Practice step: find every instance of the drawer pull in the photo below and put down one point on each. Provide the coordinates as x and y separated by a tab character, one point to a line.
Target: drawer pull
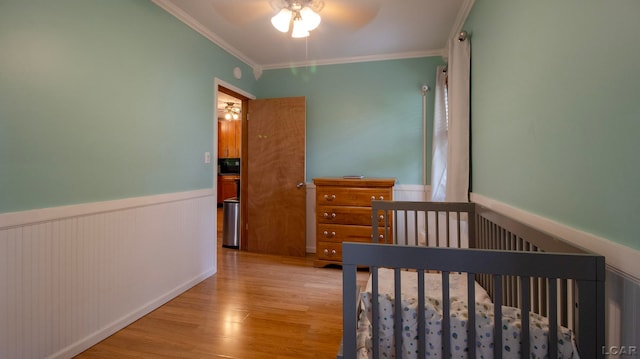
381	218
329	198
327	235
327	215
380	198
329	254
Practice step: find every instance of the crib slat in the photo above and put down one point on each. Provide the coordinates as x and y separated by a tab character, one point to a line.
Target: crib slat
395	230
437	228
406	227
448	239
349	300
374	226
422	332
564	306
387	225
459	232
544	303
524	314
446	316
427	225
553	318
471	314
397	312
375	312
497	319
417	221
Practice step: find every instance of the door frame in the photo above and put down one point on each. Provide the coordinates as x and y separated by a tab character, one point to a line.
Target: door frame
223	86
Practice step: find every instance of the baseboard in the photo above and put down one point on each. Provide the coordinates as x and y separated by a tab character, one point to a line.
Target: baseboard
98	336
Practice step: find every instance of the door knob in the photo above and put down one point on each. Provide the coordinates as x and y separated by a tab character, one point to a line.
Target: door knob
299	185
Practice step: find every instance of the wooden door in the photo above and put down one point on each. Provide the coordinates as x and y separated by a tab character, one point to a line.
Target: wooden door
276	193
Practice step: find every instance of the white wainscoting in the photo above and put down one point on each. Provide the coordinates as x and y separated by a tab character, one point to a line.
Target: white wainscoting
71	276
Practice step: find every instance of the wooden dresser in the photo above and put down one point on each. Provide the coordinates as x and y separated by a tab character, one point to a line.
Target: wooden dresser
343	213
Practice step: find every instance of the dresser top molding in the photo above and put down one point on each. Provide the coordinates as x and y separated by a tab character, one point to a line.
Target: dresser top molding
354	182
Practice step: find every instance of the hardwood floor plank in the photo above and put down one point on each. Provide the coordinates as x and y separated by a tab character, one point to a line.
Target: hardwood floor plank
257	306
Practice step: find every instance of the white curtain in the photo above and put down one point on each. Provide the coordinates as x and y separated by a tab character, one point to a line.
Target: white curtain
457	188
450	174
439	160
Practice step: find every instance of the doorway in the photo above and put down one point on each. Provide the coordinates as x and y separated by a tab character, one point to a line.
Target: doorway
231	171
272	187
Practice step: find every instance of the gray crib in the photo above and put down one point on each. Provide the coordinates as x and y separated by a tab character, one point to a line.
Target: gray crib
518	266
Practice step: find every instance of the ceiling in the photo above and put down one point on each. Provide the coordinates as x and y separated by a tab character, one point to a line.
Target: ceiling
350	31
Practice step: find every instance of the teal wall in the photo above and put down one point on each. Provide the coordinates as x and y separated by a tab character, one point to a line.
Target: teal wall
363	118
556	110
102	100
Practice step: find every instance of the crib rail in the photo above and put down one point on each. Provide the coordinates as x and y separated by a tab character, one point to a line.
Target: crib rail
440	223
468	225
586	271
495	231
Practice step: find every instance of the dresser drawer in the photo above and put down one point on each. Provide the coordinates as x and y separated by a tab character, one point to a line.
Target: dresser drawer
345	233
344	215
329	251
340	196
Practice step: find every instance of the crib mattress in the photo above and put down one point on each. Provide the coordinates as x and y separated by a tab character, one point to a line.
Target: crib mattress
511	322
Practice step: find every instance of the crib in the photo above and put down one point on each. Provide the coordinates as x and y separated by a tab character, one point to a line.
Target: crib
491	267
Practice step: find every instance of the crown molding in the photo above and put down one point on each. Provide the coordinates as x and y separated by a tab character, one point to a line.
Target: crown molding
258	69
463	13
461	18
348	60
202	30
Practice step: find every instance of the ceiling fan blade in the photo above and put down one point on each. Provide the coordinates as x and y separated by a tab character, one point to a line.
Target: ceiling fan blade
242	12
350	14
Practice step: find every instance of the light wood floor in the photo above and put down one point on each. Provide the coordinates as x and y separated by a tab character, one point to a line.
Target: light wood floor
256	306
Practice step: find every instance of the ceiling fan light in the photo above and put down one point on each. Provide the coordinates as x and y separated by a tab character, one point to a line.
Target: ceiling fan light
310	18
227	116
281	20
299	29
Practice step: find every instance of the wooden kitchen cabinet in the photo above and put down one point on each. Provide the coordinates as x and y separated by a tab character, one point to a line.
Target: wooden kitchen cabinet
343	213
227	187
229	138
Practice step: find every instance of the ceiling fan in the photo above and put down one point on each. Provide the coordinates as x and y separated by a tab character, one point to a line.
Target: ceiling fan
346	15
231	111
303	14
